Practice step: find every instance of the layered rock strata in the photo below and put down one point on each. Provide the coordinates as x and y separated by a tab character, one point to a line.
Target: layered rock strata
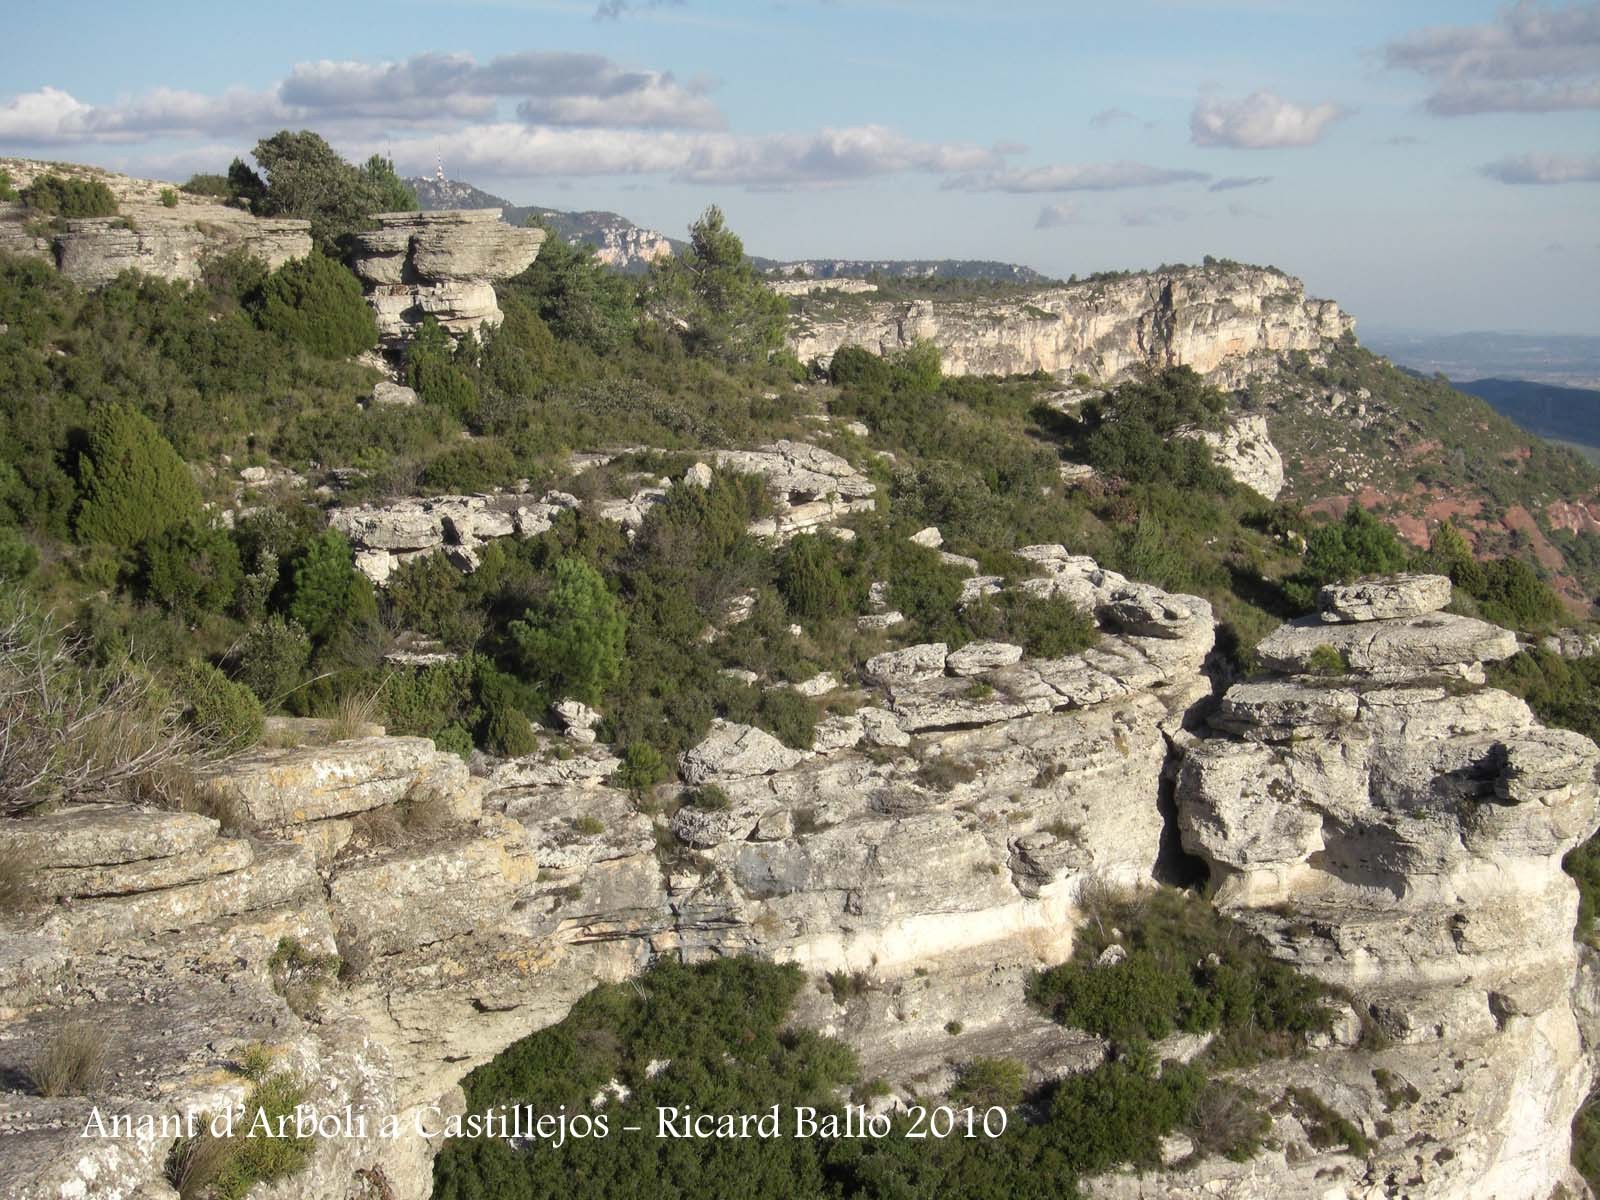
168	242
1396	836
442	265
1402	840
1224	322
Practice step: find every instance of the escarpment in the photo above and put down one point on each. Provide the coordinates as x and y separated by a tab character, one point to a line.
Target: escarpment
170	240
1223	321
1392	827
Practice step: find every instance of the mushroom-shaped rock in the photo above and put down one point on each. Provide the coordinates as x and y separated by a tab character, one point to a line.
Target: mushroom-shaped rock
1383	599
731	751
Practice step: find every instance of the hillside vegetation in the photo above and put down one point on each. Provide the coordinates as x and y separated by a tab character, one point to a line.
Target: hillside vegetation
129	412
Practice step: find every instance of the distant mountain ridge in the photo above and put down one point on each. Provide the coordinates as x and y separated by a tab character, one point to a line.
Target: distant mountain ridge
974	270
629	247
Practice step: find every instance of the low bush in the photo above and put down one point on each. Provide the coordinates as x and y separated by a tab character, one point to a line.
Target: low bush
1184	967
226	715
317	303
70	197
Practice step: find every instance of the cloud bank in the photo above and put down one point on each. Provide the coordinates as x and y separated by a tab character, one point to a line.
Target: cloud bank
1261	121
1530	59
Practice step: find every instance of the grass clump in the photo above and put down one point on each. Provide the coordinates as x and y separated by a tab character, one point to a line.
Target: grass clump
1328	661
71	1063
211	1167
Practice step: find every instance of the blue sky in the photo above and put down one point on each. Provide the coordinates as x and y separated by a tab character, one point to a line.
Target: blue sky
1430	165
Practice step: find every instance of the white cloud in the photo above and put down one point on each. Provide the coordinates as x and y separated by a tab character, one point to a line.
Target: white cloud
1261	121
829	156
1053	216
1108	117
611	10
1546	168
1075	177
371	99
1530	58
1234	182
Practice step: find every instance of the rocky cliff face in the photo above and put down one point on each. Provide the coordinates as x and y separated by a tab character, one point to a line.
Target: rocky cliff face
1225	322
148	236
440	264
1396	830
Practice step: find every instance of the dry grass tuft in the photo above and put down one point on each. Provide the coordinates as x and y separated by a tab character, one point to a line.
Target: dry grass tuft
352	714
71	1063
71	728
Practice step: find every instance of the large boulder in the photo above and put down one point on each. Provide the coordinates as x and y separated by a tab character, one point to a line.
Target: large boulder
278	788
732	751
1399	648
1384	599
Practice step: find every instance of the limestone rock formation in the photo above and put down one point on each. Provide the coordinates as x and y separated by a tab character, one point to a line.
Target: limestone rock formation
811	488
1222	321
1405	842
1383	599
1401	648
169	243
440	264
1245	450
1392	835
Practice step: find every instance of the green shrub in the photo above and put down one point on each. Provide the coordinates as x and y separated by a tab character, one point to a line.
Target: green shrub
427	701
1344	550
70	197
273	657
326	590
789	717
18	558
508	733
1045	627
476	466
191	569
7	192
226	714
315	302
454	739
923	588
573	639
986	1082
1327	660
446	386
709	797
208	185
133	483
813	582
1185	967
169	198
642	766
